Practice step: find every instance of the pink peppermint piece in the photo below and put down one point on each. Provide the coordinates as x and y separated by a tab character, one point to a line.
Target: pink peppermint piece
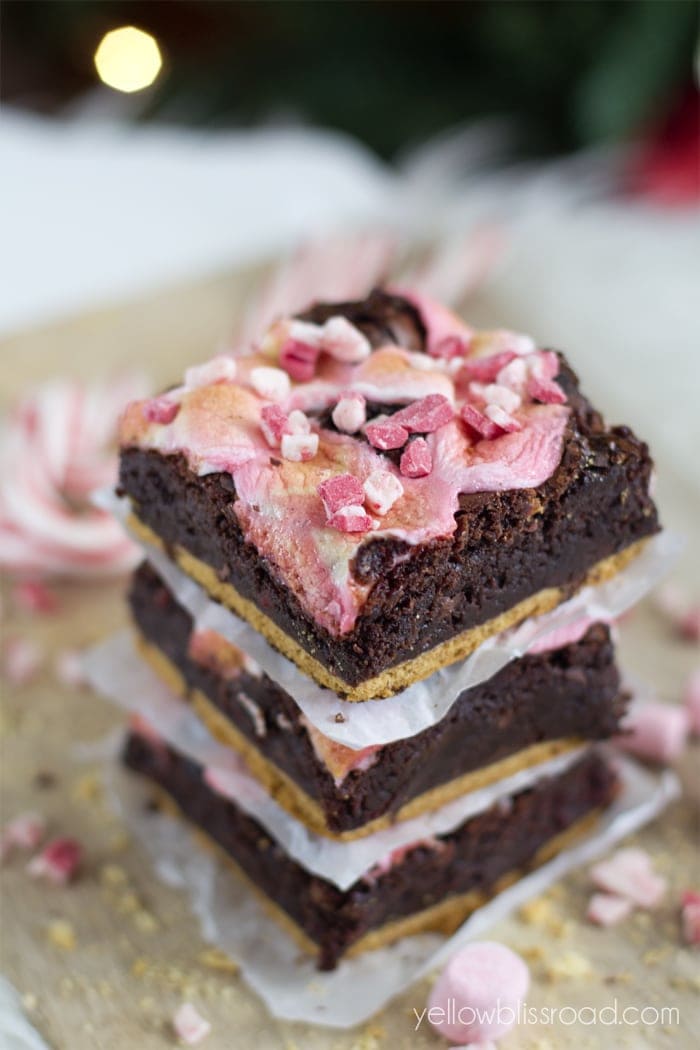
546	391
69	668
691	700
343	341
426	415
689	624
690	916
448	347
298	448
273	423
508	424
654	731
22	659
189	1025
386	435
23	832
485	369
221	369
382	489
350	413
480	424
160	409
351	519
342	490
32	596
628	873
496	394
58	862
298	422
416	461
514	375
270	383
607	909
299	359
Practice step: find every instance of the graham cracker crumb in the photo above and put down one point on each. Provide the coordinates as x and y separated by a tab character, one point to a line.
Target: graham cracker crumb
145	922
112	875
569	966
61	934
216	959
88	788
536	912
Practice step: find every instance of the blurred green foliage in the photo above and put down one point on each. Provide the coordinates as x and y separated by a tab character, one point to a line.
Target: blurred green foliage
571	72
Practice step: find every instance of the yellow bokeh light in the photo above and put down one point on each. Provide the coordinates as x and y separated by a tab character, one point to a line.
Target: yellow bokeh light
128	59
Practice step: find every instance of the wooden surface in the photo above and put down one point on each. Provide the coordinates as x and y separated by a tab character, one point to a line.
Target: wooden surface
137	951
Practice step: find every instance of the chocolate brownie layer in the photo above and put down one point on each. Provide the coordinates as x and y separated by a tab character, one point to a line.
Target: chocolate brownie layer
508	547
434	884
560	697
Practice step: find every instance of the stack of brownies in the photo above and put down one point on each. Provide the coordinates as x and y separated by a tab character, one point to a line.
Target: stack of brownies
377	489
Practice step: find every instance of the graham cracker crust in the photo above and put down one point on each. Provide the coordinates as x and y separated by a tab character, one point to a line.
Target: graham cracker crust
402	675
297	802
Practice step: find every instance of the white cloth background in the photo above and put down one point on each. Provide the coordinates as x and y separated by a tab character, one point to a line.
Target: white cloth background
92	213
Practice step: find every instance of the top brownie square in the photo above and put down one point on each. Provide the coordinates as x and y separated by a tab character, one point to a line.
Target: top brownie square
377	487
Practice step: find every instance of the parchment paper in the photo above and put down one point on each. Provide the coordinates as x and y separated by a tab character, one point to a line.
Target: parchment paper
425	703
115	669
272	965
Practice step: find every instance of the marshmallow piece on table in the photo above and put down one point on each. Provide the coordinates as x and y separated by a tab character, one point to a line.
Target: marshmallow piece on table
476	997
654	730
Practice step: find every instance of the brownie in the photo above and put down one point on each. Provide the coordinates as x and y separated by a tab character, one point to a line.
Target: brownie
506	546
469	860
573	692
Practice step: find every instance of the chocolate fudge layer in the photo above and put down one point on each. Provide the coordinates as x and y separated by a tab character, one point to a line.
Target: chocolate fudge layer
532	709
481	523
433	885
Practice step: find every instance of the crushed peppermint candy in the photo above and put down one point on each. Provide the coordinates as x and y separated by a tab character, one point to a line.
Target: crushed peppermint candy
508	424
58	862
416	461
33	596
22	660
298	422
485	369
690	916
382	489
160	409
425	415
352	518
607	909
448	347
343	341
24	831
350	413
385	434
628	873
270	383
273	423
69	668
298	359
479	424
654	730
691	701
495	394
546	391
189	1025
221	369
342	490
299	448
